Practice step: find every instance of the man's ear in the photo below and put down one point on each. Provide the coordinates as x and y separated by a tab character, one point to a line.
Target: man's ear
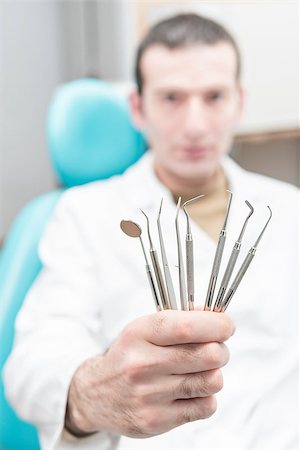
242	94
136	109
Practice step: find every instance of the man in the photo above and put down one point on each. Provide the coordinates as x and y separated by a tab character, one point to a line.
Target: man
98	369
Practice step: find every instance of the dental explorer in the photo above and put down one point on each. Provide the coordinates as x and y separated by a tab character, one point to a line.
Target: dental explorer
217	260
243	268
157	270
232	261
182	285
189	248
168	278
132	229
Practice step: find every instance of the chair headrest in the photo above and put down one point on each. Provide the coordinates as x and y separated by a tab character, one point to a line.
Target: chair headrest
90	134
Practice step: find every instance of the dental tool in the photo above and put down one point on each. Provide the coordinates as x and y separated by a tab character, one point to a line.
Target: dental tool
217	260
243	268
168	278
157	270
232	261
182	284
189	247
132	229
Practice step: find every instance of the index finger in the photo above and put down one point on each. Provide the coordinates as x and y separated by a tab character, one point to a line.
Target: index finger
186	327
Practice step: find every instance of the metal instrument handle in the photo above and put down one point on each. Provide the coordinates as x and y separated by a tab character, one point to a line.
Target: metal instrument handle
226	277
215	271
153	288
170	287
160	280
238	278
190	272
219	253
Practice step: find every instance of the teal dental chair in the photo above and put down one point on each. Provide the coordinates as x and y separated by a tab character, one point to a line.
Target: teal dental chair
90	137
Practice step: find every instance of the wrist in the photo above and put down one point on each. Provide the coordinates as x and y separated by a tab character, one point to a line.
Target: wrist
78	409
71	425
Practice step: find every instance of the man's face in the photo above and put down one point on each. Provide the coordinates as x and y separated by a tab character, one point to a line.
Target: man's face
189	107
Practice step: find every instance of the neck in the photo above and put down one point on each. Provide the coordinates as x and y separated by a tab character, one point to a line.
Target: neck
211	186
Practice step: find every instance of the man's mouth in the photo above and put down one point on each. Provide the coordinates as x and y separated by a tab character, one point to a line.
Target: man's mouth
195	151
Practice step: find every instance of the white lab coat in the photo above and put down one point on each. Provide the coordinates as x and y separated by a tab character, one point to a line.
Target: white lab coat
94	283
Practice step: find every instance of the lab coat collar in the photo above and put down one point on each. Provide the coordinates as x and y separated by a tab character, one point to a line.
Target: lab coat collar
150	197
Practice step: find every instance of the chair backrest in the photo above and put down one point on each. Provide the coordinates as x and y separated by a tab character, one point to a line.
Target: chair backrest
90	136
90	133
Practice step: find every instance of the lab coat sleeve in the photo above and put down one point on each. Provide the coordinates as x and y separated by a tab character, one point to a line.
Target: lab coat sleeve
58	327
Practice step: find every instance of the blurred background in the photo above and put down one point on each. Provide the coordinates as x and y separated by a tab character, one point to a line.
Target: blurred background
44	44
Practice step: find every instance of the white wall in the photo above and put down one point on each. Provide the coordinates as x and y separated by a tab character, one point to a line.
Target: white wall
29	71
41	46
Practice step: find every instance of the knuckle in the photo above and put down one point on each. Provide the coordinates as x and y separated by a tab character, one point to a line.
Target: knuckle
135	369
217	381
188	416
209	407
128	335
149	421
186	387
214	354
200	385
186	352
182	331
228	327
217	355
131	373
202	408
144	395
212	382
159	323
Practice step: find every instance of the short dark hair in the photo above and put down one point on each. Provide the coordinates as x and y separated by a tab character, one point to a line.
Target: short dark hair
183	30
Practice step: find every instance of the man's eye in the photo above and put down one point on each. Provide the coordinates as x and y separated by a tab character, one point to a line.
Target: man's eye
215	96
171	98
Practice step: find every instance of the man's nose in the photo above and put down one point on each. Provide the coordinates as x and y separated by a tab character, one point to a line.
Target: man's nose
196	120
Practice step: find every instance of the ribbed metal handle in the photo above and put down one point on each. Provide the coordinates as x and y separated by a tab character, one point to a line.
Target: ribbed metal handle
242	270
160	280
219	253
226	277
170	287
190	266
238	278
153	288
190	272
215	271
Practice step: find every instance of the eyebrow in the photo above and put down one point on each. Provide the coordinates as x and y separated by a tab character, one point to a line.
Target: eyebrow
178	89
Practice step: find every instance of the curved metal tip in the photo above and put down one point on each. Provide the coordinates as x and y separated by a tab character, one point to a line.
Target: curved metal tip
263	230
192	200
187	216
250	206
270	212
178	207
144	214
228	208
246	220
148	229
159	212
